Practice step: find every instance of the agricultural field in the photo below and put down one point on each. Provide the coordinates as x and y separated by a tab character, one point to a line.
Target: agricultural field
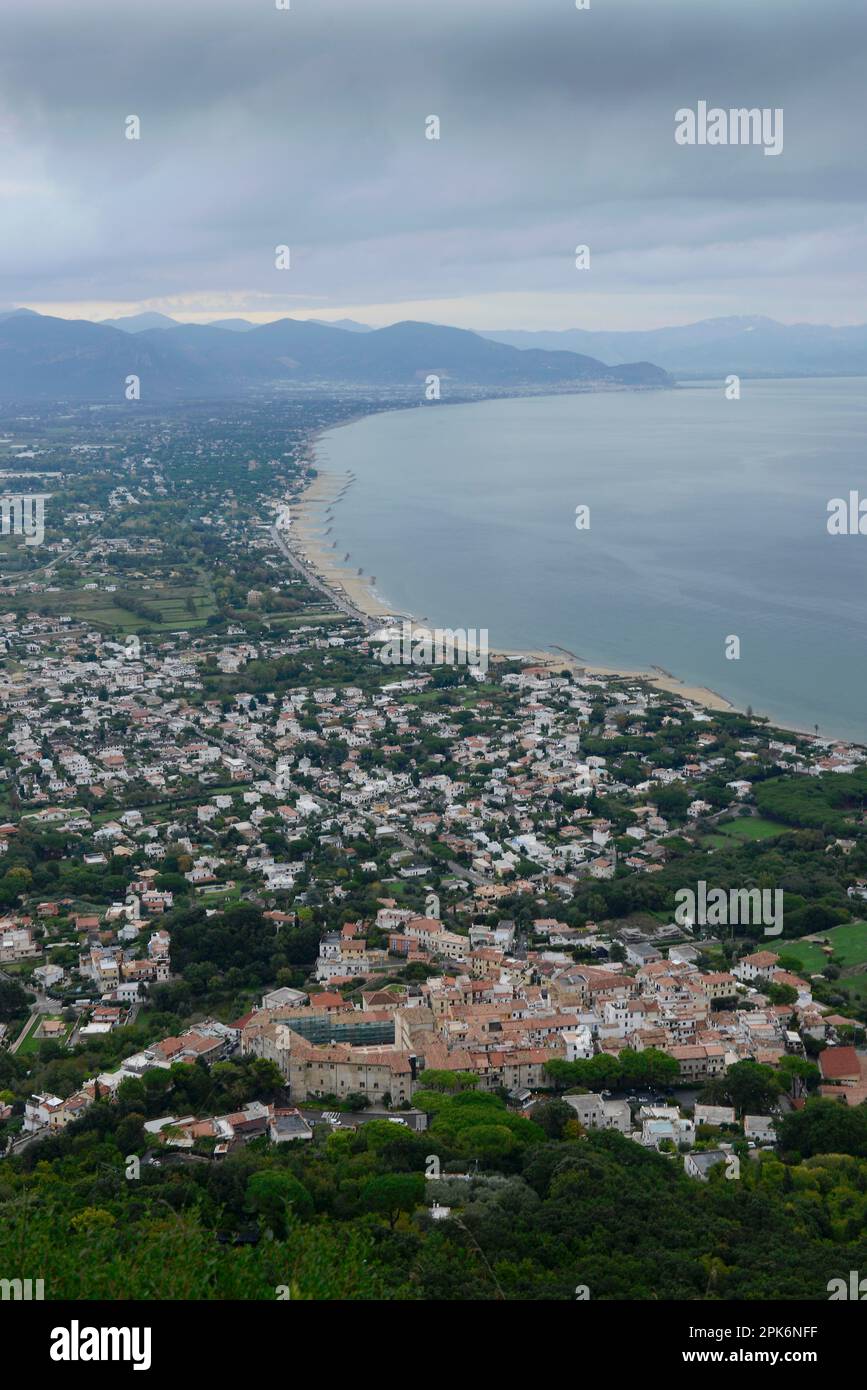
165	606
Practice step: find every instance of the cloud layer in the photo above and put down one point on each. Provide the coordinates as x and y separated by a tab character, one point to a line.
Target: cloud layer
262	126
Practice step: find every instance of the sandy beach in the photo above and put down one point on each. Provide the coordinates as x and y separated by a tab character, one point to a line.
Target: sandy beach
309	536
699	694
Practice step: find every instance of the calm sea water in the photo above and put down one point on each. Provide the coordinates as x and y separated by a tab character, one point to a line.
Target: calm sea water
708	518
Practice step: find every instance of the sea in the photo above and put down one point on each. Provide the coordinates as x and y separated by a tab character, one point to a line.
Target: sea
707	520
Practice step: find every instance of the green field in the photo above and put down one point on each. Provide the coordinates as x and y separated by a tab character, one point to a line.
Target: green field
855	986
850	948
170	605
30	1044
751	828
213	897
309	618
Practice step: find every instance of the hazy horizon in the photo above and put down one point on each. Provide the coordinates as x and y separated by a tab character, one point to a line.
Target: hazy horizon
255	320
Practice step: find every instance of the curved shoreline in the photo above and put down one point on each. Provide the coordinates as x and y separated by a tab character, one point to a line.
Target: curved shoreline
356	589
306	537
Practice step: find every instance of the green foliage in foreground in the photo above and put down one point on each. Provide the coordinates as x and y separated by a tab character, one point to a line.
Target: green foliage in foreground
346	1215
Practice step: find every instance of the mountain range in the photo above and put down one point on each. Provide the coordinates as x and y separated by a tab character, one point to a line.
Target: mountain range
47	358
139	323
749	346
746	346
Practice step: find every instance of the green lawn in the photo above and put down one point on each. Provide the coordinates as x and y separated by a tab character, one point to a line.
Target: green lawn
396	887
812	958
855	987
309	618
222	896
751	828
850	943
30	1043
850	948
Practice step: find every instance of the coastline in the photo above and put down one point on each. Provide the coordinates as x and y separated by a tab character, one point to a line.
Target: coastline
308	537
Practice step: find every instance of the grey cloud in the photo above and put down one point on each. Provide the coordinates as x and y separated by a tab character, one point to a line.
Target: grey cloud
260	126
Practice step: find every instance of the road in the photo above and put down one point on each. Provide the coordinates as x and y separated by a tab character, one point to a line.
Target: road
23	1141
409	843
43	1005
340	601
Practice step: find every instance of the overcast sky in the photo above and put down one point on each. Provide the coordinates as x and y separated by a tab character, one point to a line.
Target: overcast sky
306	127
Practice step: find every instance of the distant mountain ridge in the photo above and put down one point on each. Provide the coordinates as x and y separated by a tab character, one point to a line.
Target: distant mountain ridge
45	358
140	323
747	346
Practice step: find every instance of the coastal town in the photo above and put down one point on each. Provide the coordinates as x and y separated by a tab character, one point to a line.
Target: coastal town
257	886
433	755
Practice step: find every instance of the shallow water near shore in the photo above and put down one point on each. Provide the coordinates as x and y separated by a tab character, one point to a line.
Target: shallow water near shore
708	520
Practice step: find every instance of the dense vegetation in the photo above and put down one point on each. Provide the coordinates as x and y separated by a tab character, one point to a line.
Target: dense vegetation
539	1216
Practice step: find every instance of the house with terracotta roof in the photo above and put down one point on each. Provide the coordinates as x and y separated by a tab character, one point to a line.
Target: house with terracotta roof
761	966
840	1065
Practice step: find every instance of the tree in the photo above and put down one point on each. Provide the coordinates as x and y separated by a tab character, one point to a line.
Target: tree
273	1194
15	882
131	1094
553	1116
781	994
92	1219
391	1193
130	1133
824	1127
448	1080
797	1074
14	1001
750	1087
267	1078
648	1068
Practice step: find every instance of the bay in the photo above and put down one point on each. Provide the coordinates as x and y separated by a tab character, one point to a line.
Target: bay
708	519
